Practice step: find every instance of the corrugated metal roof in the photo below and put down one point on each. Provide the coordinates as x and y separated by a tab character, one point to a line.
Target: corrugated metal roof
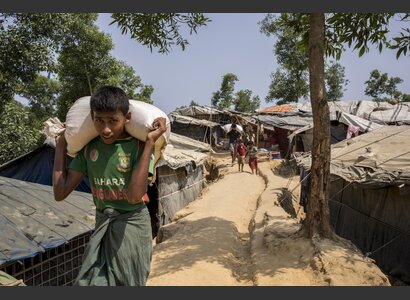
31	221
278	108
289	122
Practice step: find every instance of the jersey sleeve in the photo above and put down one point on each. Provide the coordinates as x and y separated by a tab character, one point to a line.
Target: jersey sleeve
137	157
79	163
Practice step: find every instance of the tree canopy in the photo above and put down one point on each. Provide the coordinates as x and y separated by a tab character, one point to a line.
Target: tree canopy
85	63
244	102
223	98
17	133
379	85
335	81
290	82
160	30
29	45
54	59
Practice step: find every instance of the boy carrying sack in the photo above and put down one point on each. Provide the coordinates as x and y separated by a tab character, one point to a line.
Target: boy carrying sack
118	166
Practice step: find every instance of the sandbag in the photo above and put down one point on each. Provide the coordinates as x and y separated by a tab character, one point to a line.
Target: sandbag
80	129
227	127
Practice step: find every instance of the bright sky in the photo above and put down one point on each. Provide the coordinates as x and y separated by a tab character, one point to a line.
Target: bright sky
232	43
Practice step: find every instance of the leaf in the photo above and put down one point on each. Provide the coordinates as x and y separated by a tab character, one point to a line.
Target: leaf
399	52
362	51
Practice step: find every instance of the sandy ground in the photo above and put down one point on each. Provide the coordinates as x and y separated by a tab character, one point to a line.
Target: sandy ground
238	234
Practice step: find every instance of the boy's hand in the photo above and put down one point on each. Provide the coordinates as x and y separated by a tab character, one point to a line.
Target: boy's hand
160	125
60	139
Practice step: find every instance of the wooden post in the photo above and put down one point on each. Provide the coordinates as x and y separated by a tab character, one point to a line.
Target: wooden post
210	128
257	134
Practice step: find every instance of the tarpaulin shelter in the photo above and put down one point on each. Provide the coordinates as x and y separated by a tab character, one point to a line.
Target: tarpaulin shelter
344	115
180	175
195	111
283	124
37	166
197	129
369	197
42	240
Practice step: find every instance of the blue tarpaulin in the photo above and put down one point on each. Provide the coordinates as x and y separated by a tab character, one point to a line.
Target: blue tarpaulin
37	166
31	221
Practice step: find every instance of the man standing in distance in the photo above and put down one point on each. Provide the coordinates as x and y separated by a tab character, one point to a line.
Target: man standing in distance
233	135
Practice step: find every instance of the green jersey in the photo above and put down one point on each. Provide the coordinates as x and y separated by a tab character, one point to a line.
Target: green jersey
109	168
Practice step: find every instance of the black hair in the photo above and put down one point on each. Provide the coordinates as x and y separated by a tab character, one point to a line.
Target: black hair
110	98
233	125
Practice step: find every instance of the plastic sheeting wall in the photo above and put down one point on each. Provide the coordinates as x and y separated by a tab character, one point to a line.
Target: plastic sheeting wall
376	221
177	188
37	167
198	133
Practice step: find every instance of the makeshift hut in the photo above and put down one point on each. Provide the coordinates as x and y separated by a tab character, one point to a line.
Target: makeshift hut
204	113
197	129
293	123
180	175
283	124
369	197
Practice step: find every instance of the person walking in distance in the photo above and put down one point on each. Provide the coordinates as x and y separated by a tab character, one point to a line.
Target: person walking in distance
233	136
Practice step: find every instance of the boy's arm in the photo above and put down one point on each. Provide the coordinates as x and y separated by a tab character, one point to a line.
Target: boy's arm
138	185
64	181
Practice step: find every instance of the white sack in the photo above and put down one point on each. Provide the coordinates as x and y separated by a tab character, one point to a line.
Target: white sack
227	127
80	128
53	127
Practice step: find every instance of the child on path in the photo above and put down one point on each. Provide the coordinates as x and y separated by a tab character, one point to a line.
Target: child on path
117	165
241	150
252	152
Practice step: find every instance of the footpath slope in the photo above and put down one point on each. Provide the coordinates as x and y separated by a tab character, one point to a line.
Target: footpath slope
237	234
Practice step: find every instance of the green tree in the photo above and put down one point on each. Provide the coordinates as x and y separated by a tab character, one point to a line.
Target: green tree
244	102
124	76
193	103
42	97
290	82
380	84
29	43
85	63
223	98
405	97
17	134
160	30
285	88
334	81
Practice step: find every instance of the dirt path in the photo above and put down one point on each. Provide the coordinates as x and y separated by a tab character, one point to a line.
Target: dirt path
238	234
209	242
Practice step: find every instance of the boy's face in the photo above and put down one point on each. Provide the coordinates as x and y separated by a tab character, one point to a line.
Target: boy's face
110	125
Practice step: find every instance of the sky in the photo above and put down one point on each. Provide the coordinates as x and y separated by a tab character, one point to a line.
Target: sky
233	43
